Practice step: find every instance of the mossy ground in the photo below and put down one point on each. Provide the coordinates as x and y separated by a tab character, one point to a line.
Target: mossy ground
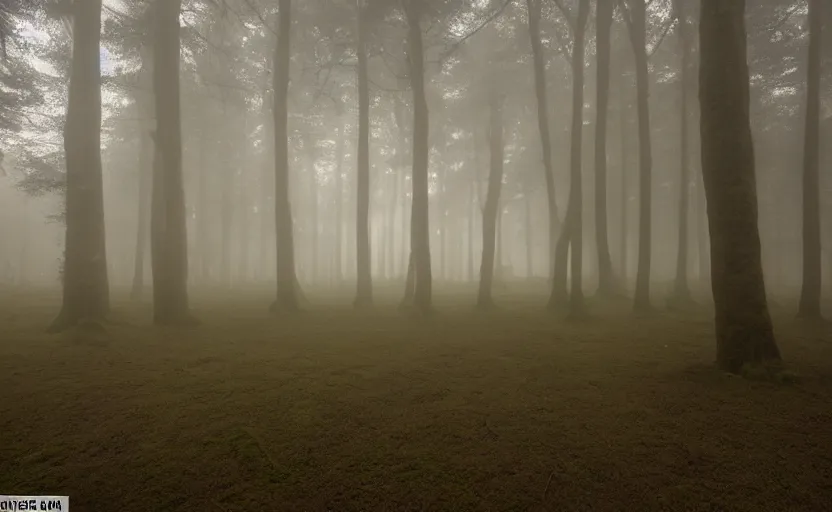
338	409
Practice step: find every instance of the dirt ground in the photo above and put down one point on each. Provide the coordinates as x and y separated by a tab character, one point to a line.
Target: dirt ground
340	410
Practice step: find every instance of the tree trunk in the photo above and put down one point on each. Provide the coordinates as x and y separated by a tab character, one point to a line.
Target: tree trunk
86	288
527	217
681	287
420	224
145	174
170	258
492	205
364	288
743	325
809	307
576	160
624	107
538	60
339	205
638	37
287	288
227	208
603	22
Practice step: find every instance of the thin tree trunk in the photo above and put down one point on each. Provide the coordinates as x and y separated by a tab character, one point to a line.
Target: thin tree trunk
227	208
287	287
339	205
681	287
638	37
576	160
811	289
743	325
364	288
144	175
603	20
420	223
492	205
534	7
527	214
625	185
86	288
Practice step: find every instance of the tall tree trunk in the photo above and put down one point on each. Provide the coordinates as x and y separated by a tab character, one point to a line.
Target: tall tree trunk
170	258
227	208
492	205
538	60
603	21
681	287
145	174
624	107
390	223
364	288
743	325
314	260
576	160
638	37
287	288
810	293
86	288
527	217
420	224
202	223
339	205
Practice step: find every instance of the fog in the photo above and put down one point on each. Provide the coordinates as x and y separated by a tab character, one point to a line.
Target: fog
415	255
228	163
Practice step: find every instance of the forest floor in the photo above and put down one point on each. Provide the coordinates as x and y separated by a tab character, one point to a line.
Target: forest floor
336	409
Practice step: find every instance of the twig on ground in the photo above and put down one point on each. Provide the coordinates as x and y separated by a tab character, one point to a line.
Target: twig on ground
259	443
549	481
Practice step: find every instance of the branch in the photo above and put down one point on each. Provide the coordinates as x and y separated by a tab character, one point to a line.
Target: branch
485	22
670	23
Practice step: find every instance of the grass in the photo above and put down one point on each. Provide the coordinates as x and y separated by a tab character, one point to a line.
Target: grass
341	410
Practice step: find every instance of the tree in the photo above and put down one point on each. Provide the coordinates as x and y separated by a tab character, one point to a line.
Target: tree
145	176
603	23
364	286
534	9
809	307
681	289
287	297
169	239
636	19
744	332
85	283
420	228
572	236
492	204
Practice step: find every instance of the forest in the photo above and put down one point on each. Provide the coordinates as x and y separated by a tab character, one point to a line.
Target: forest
416	254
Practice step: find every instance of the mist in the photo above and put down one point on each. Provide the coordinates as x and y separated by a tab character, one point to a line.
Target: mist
545	198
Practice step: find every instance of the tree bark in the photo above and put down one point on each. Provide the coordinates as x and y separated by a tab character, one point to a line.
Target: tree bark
624	107
603	20
170	258
575	226
809	307
86	287
534	7
638	38
743	325
681	287
492	205
339	205
144	172
364	283
420	224
287	288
